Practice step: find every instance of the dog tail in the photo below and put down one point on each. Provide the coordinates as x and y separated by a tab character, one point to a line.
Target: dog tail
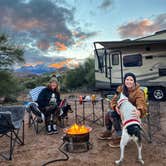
134	129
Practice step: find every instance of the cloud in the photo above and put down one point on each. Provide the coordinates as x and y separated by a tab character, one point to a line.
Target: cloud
61	37
43	24
105	4
139	28
34	57
43	44
83	35
60	46
41	18
68	63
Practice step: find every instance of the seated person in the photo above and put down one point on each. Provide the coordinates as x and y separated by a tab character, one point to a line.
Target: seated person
136	96
48	101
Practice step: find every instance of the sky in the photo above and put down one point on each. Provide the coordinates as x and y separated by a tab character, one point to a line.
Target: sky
62	32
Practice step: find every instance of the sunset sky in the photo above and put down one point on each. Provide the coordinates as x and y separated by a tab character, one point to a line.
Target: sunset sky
52	31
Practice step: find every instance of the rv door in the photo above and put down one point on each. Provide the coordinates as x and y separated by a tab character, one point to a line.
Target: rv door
114	68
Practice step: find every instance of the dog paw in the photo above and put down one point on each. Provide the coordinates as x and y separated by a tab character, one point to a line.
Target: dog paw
141	161
118	162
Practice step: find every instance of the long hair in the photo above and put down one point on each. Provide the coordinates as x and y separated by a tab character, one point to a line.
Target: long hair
125	91
56	89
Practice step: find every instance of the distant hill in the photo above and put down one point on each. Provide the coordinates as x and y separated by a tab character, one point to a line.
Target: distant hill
37	70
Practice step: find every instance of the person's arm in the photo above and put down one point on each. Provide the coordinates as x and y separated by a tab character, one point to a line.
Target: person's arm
113	101
42	98
141	103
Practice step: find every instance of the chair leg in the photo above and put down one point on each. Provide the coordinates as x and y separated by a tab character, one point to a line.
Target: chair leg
149	128
30	120
11	147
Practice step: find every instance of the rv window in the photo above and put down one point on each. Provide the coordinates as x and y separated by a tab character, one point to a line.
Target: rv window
149	57
115	59
132	60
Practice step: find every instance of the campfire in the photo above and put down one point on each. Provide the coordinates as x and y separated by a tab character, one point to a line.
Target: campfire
77	138
77	129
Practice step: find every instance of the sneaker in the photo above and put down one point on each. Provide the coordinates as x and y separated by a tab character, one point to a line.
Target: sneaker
106	135
49	130
115	143
54	129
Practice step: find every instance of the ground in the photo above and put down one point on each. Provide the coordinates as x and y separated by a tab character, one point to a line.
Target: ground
42	148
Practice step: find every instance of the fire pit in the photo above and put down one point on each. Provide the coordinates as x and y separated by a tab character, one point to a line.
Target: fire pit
77	138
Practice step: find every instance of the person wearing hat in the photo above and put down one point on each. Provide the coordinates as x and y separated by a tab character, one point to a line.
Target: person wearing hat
48	101
130	89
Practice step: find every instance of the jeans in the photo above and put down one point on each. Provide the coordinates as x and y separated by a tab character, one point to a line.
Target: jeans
112	118
50	112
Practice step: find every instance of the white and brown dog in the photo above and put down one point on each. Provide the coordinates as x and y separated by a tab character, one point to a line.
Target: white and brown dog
131	127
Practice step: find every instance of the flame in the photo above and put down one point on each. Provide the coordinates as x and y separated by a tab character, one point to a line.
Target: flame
78	129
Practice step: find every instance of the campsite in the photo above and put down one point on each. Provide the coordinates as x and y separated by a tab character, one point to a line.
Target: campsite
41	148
82	83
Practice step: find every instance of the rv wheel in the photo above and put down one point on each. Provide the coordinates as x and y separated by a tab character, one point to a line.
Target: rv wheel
158	93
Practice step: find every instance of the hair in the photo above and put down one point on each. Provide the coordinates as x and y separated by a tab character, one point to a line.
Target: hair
56	89
125	89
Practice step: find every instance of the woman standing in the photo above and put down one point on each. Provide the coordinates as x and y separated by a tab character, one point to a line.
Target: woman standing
130	89
48	101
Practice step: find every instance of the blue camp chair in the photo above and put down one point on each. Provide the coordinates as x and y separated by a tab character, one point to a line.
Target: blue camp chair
11	121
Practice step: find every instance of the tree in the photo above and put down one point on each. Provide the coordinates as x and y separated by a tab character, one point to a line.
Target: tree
9	55
82	76
90	72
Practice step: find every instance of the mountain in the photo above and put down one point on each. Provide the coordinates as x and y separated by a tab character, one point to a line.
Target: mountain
38	69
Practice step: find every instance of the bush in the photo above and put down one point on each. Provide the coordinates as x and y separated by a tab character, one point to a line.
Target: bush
82	76
9	86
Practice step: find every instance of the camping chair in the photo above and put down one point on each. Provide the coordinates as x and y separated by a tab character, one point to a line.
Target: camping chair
36	117
146	130
11	121
151	121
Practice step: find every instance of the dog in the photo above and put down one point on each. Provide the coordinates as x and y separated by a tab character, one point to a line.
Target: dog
131	127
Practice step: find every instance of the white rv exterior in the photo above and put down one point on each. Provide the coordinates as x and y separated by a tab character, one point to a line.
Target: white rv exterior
146	58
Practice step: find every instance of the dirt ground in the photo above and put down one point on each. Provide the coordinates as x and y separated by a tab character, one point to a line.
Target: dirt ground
42	148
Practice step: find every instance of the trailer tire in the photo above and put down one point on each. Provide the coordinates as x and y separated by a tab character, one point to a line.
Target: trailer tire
158	94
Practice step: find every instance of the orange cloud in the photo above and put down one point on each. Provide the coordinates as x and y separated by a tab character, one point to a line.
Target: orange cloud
61	37
58	65
137	28
60	46
146	23
69	63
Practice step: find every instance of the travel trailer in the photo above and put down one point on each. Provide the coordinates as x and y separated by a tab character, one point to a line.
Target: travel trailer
145	57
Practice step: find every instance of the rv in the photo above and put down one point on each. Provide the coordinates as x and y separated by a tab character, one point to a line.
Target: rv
145	57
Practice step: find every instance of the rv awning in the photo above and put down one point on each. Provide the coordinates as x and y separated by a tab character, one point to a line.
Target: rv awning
126	43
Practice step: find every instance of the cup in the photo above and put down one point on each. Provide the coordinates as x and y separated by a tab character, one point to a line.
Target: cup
93	98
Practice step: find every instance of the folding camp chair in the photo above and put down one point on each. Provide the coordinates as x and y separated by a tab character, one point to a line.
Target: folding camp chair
36	117
151	121
11	121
